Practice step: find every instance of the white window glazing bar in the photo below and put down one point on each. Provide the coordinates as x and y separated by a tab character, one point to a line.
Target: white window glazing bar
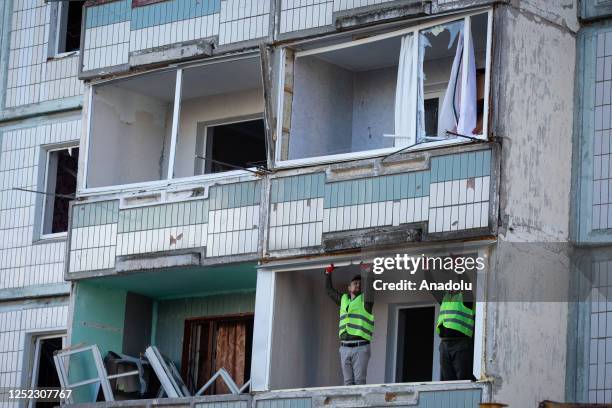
465	63
485	111
175	121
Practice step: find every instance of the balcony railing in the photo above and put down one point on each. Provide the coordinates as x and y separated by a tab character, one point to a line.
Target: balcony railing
425	196
439	395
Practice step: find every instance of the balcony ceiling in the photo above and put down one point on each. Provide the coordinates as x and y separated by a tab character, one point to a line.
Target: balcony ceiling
183	282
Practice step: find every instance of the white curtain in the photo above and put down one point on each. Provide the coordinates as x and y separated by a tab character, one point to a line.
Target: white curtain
405	103
458	113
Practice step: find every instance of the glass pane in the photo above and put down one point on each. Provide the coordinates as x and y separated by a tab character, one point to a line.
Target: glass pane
131	125
441	53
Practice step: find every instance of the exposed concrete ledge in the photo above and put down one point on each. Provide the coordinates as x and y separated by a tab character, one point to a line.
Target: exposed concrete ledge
35	291
372	237
36	109
129	264
373	14
172	52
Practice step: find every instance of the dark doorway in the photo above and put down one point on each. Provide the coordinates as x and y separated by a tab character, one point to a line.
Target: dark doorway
415	344
211	343
47	375
241	144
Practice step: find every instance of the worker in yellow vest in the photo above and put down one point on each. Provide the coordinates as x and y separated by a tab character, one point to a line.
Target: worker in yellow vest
356	326
455	326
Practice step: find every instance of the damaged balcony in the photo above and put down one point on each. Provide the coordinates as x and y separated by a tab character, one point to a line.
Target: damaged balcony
178	192
199	319
200	324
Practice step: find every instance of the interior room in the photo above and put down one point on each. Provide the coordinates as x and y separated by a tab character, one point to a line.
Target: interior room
131	124
344	96
404	346
221	118
197	320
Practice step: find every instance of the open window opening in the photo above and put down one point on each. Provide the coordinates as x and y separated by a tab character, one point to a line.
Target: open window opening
43	374
130	130
408	88
68	26
230	146
177	124
214	343
221	126
60	188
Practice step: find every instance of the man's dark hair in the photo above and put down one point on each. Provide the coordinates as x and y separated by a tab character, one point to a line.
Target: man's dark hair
356	278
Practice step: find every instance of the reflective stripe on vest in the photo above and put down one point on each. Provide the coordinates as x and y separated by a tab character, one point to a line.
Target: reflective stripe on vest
354	318
454	315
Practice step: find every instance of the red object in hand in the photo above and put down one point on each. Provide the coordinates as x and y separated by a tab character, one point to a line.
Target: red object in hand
329	269
365	267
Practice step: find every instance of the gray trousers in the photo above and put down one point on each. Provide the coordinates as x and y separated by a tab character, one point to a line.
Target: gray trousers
354	362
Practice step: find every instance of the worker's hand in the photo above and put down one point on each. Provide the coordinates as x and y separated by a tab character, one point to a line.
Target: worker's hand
329	269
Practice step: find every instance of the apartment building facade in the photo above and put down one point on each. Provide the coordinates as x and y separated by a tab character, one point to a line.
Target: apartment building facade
222	153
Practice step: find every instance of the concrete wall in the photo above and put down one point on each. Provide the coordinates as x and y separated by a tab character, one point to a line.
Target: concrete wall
131	131
210	109
322	107
373	109
533	103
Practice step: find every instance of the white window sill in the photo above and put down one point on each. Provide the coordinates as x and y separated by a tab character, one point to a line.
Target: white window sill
52	237
63	55
177	184
368	154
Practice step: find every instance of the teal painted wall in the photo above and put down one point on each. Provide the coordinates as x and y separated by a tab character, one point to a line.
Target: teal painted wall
98	319
171	315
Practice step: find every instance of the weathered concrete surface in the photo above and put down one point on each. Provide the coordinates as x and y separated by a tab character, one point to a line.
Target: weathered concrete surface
561	12
533	104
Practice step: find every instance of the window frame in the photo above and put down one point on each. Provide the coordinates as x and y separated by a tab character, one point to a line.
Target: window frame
47	152
204	126
333	158
32	355
169	179
59	23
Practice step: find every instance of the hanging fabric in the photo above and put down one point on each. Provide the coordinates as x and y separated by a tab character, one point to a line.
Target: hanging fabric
406	89
420	104
458	113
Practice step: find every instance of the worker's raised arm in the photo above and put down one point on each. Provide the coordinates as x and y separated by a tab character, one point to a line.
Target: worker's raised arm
366	286
430	277
329	286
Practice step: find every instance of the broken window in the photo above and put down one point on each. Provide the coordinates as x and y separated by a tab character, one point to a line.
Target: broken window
213	343
387	91
60	188
221	126
68	26
43	372
130	130
216	126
